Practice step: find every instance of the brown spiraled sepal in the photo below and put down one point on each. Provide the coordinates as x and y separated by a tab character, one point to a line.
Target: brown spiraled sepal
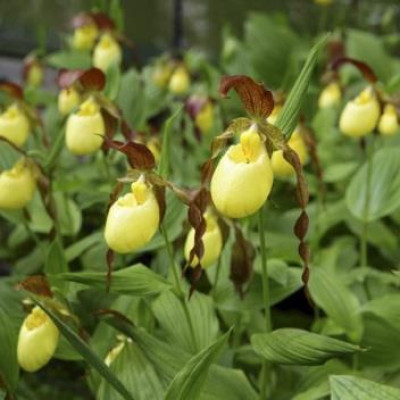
256	99
138	155
241	262
92	79
365	69
110	267
12	89
37	285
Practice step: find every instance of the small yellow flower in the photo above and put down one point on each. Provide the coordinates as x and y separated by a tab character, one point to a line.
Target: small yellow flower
388	123
133	219
37	341
180	81
68	99
14	125
330	96
360	115
204	119
212	240
162	73
243	178
280	166
34	76
84	127
85	36
274	115
17	186
106	52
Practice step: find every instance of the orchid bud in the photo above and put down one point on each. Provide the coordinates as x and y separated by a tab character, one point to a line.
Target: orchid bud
17	186
360	115
37	341
133	219
180	81
85	36
14	125
212	241
280	166
85	129
68	99
204	119
33	71
388	123
330	96
162	73
115	352
106	52
243	178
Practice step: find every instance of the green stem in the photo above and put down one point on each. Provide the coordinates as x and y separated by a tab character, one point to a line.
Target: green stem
181	294
264	271
216	278
364	232
265	370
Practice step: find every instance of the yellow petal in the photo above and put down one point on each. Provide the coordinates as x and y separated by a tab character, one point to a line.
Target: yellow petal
68	99
84	37
106	52
17	187
14	125
360	116
388	123
132	220
83	129
212	240
37	341
242	180
180	81
330	96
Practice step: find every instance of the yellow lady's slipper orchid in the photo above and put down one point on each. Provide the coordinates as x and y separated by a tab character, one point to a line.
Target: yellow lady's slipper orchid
360	115
330	96
106	52
243	178
274	115
280	166
180	81
17	186
133	219
34	75
204	119
37	341
388	123
68	99
14	125
85	128
212	240
162	74
85	36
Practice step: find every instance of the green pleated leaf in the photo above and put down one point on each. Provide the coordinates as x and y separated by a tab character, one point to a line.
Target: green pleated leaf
113	81
386	308
189	382
170	314
9	370
136	280
167	360
298	347
55	262
345	387
288	118
337	300
136	373
69	59
87	353
163	166
132	100
384	193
